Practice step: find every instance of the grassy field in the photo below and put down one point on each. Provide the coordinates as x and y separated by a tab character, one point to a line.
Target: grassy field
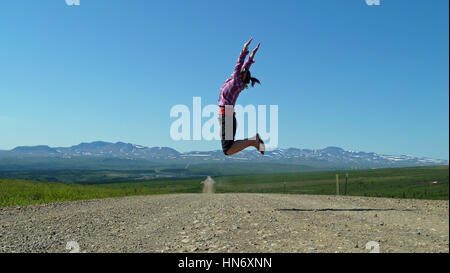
15	192
417	182
172	172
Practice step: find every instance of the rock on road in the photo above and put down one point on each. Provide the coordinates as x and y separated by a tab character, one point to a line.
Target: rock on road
228	223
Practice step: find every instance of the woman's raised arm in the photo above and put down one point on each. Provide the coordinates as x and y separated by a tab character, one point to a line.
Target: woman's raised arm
241	59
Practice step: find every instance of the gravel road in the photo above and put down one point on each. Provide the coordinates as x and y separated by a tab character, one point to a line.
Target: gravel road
228	223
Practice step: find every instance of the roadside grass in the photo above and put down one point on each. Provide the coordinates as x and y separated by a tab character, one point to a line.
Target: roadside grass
24	192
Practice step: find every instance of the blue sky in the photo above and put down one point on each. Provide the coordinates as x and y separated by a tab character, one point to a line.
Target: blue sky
369	78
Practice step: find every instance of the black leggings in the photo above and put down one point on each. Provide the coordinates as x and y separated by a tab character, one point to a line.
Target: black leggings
226	143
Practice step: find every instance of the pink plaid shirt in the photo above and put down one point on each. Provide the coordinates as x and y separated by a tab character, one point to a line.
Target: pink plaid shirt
233	86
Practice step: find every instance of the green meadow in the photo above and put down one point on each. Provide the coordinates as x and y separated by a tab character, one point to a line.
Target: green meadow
416	182
14	192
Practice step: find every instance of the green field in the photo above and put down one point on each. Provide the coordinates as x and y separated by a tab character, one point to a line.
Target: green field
14	192
416	182
111	174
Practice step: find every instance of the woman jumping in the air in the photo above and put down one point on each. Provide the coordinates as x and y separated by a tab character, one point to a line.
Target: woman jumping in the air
229	93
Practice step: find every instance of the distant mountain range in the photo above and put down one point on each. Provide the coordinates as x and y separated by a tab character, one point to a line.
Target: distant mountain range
330	157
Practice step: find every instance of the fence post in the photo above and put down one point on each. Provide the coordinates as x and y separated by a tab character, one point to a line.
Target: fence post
346	181
337	184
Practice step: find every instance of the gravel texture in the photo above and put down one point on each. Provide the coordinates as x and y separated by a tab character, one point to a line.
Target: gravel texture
228	223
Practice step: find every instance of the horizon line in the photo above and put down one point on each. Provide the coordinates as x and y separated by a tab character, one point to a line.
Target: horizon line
273	149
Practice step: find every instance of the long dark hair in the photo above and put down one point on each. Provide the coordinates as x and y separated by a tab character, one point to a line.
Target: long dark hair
246	77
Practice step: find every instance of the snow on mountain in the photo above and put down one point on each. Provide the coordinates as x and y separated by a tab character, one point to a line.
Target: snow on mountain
329	156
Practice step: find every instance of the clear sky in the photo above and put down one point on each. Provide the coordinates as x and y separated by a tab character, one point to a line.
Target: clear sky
368	78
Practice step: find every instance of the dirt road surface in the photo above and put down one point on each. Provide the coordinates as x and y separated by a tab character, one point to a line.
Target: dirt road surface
228	223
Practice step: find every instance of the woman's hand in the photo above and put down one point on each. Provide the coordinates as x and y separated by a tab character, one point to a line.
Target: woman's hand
254	51
247	44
